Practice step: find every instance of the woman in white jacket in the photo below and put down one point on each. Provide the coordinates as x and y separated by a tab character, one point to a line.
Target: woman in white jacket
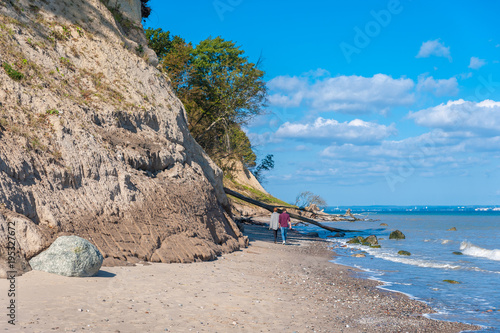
274	223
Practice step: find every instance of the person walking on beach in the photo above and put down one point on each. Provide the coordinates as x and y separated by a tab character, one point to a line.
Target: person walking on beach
284	224
274	224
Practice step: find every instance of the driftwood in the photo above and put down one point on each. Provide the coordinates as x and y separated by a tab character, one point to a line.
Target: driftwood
249	220
271	209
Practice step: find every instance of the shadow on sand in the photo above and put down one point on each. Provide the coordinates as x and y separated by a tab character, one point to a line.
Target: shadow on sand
105	274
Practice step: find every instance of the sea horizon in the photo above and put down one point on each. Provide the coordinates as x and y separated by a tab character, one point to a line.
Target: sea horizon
413	208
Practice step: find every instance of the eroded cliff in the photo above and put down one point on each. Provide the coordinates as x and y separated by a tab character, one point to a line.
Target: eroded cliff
94	143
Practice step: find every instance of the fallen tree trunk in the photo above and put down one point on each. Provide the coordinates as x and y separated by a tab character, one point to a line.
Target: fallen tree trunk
271	209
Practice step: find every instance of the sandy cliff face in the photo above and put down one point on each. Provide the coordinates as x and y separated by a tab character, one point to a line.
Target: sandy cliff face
93	142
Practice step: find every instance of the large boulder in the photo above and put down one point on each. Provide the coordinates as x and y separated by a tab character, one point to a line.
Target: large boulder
21	239
69	256
372	240
356	240
396	234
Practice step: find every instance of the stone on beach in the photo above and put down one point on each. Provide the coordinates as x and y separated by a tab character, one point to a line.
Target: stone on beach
69	256
396	234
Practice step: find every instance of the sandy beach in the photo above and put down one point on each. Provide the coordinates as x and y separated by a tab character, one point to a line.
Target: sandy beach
266	287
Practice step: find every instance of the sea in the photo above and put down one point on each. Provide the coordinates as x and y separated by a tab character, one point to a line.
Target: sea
470	256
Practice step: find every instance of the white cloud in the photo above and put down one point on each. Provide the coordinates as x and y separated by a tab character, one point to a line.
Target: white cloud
428	144
331	130
483	118
287	101
261	139
346	94
476	63
434	48
357	93
287	83
441	87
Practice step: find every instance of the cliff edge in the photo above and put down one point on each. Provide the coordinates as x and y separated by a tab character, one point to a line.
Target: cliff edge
94	143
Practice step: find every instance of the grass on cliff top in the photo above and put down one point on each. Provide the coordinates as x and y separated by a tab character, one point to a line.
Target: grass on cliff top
253	193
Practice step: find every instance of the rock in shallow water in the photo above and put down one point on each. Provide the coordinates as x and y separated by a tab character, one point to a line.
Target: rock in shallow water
356	240
69	256
452	229
404	253
371	240
396	234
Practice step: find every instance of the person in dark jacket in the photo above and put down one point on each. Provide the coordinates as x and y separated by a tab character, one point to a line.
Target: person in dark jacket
285	223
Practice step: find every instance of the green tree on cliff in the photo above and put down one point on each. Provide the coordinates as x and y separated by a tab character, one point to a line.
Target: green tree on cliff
219	87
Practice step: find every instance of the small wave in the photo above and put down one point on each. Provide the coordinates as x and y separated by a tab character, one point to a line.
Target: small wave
419	262
445	241
470	249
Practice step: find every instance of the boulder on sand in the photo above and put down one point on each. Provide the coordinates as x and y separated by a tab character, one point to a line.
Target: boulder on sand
396	234
69	256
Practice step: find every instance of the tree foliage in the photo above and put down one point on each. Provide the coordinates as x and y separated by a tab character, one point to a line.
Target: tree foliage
220	89
145	9
266	164
306	198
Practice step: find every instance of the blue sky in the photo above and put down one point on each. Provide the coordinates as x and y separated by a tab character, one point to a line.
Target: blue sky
370	102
